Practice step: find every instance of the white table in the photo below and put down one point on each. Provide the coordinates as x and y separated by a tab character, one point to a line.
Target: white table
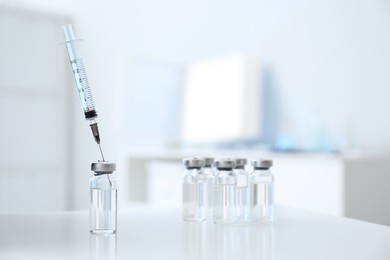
150	233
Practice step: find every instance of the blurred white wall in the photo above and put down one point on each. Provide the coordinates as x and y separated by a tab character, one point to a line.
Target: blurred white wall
329	58
35	142
331	65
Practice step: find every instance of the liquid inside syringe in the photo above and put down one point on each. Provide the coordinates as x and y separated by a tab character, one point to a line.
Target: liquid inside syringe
82	84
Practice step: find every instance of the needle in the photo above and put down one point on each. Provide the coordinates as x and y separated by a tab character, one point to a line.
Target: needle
101	152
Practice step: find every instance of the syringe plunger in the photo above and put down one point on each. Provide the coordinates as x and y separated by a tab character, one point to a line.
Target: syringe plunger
68	32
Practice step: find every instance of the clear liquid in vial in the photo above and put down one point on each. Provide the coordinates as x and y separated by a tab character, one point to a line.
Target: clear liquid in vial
242	203
225	203
193	202
209	197
103	211
262	201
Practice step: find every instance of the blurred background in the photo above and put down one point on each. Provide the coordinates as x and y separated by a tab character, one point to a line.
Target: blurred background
304	83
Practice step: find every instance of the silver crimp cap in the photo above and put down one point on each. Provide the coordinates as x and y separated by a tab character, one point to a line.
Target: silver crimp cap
208	161
241	162
262	163
103	167
227	163
193	162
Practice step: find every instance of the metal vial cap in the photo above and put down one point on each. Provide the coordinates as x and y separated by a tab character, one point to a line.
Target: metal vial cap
208	161
103	167
193	162
262	163
227	163
241	162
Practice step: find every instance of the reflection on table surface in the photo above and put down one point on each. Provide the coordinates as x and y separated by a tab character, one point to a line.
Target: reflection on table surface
102	247
147	233
210	241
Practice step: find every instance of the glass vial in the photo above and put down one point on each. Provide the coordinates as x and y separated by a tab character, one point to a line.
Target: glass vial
261	191
209	174
242	191
103	195
194	190
224	209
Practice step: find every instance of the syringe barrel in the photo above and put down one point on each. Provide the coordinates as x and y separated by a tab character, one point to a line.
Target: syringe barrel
79	73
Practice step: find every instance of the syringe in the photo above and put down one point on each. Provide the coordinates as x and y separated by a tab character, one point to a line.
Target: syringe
82	84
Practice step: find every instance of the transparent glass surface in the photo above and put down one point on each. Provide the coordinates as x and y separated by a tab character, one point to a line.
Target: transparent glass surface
224	209
209	174
103	205
242	194
194	199
261	195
